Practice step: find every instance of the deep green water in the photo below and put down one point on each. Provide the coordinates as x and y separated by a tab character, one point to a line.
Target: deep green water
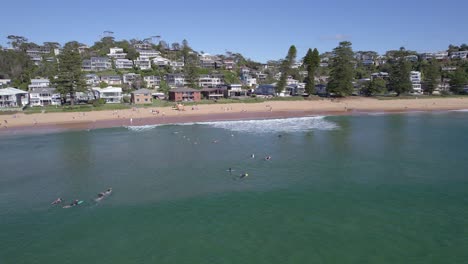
355	189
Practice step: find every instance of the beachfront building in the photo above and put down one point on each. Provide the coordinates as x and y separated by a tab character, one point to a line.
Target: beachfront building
214	93
152	81
44	97
39	83
235	90
112	95
142	96
143	63
123	64
415	77
184	94
96	64
12	97
211	81
116	53
111	79
265	90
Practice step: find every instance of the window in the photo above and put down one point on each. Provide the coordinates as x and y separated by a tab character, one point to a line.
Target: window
146	99
138	100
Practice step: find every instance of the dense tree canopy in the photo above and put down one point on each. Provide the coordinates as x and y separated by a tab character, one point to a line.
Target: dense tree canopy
342	70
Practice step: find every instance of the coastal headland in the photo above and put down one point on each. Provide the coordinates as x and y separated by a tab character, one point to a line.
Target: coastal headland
44	122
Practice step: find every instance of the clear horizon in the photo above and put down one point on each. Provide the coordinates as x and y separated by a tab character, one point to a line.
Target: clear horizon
259	30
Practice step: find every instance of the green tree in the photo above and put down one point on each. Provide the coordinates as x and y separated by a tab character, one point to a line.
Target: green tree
375	86
400	72
69	77
342	70
164	88
311	62
458	81
286	68
431	73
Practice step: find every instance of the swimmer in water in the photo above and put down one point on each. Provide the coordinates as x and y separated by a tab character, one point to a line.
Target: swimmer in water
243	175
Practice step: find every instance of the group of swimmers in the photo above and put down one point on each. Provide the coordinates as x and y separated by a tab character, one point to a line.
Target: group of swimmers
243	175
100	195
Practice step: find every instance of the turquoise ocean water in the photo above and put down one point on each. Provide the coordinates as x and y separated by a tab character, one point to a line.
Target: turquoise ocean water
352	189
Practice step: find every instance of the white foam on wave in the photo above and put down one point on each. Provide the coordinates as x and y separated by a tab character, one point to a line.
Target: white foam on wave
141	128
460	110
297	124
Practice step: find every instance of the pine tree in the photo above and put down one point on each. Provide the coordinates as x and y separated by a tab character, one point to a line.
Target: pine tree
400	72
375	86
342	70
69	77
431	76
458	81
286	68
311	62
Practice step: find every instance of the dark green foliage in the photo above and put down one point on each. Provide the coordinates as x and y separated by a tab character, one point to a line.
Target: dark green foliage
458	81
431	73
17	66
286	68
342	70
69	77
400	70
376	86
311	62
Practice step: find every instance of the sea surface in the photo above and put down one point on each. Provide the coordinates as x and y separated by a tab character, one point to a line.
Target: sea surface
341	189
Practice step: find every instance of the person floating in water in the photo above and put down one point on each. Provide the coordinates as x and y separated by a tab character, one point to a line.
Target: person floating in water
268	158
59	200
102	195
252	156
243	175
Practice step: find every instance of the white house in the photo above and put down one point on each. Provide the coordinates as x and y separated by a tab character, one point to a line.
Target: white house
143	63
210	81
112	95
381	75
161	62
44	97
12	97
152	81
4	82
96	64
177	65
39	83
111	79
128	78
92	79
117	53
175	80
459	54
148	53
415	78
123	64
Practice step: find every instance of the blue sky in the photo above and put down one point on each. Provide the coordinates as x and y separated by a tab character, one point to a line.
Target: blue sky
260	30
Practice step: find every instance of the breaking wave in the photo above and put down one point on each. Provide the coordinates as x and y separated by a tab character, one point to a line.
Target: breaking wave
297	124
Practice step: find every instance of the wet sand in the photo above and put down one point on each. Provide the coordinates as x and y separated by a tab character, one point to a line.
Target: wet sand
55	122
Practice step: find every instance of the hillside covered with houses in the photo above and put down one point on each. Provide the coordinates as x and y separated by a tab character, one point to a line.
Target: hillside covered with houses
139	71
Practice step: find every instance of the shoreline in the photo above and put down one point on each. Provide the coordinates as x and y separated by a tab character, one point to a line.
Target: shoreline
59	122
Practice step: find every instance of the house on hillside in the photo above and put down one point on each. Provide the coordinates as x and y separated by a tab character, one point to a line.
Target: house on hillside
415	77
175	80
152	81
12	97
111	79
112	95
96	64
123	64
116	53
143	63
142	96
184	94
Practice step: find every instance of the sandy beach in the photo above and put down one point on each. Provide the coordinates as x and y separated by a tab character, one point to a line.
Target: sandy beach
214	112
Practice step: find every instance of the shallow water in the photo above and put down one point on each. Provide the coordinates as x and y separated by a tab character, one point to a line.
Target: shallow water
353	189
